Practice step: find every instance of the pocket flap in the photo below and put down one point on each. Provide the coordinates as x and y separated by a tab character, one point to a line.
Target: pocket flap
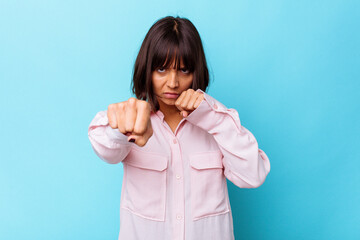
206	160
146	160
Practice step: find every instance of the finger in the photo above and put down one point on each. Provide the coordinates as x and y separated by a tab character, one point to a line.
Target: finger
199	100
141	140
185	113
120	118
179	100
186	99
145	138
142	118
138	140
132	138
112	116
130	115
191	103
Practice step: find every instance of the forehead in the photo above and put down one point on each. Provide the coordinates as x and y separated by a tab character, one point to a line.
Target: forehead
173	55
173	59
174	63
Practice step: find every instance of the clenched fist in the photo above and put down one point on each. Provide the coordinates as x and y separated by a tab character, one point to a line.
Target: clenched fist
132	118
188	101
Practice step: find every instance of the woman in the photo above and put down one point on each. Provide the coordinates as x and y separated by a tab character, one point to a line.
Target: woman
177	143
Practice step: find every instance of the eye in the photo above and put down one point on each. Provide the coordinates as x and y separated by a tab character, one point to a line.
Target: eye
161	70
184	70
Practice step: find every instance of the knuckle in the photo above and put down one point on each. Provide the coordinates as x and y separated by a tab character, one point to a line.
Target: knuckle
131	101
120	106
143	104
111	107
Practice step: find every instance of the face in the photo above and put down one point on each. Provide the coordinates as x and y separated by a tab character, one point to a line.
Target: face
169	83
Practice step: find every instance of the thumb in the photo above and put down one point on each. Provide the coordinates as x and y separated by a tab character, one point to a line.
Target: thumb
132	138
184	113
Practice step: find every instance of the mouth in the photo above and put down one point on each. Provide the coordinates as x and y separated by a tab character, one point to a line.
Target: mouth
171	95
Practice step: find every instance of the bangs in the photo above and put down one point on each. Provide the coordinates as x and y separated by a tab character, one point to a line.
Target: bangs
170	48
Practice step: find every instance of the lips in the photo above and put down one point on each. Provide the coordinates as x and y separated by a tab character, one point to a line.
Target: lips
171	95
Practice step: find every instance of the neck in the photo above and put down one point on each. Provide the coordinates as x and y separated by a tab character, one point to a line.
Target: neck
171	115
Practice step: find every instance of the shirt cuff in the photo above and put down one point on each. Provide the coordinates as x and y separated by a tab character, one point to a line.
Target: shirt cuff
100	126
209	113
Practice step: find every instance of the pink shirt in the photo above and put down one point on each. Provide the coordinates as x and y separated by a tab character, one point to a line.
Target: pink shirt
175	186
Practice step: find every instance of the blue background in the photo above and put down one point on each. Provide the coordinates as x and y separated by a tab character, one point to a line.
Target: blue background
290	68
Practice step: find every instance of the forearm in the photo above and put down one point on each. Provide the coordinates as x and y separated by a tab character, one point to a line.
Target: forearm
245	164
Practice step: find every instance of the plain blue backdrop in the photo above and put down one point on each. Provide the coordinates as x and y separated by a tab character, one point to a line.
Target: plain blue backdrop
290	68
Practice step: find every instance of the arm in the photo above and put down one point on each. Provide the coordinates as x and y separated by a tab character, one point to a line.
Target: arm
108	143
245	164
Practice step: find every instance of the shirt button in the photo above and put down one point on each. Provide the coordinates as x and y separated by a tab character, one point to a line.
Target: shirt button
215	106
178	217
174	141
178	176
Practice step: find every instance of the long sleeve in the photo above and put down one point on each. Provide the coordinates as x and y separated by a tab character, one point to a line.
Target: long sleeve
245	164
109	144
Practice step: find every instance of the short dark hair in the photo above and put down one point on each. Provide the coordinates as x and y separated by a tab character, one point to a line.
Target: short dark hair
169	38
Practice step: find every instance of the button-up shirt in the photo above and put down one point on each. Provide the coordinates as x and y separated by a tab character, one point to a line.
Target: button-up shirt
174	187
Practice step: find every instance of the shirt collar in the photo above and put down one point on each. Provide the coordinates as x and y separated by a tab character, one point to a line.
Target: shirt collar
160	115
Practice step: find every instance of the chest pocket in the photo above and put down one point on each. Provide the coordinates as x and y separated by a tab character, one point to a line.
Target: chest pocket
144	187
208	185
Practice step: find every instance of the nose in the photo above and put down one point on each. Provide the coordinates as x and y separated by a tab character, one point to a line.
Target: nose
172	81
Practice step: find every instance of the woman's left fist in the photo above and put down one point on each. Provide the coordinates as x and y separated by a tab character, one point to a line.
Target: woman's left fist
188	101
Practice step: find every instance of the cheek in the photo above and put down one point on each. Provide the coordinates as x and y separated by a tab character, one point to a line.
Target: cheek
189	82
155	83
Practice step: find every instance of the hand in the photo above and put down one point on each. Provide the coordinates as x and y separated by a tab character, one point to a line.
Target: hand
188	101
132	118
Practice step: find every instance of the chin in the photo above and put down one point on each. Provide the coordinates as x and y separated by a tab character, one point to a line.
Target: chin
168	101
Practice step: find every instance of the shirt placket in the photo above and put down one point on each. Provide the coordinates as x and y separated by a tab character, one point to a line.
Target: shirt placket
178	210
179	206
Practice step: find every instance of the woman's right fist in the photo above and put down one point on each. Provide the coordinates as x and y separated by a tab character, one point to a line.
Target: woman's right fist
132	118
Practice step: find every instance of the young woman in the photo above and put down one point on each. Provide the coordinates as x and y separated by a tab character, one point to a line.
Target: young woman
177	143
